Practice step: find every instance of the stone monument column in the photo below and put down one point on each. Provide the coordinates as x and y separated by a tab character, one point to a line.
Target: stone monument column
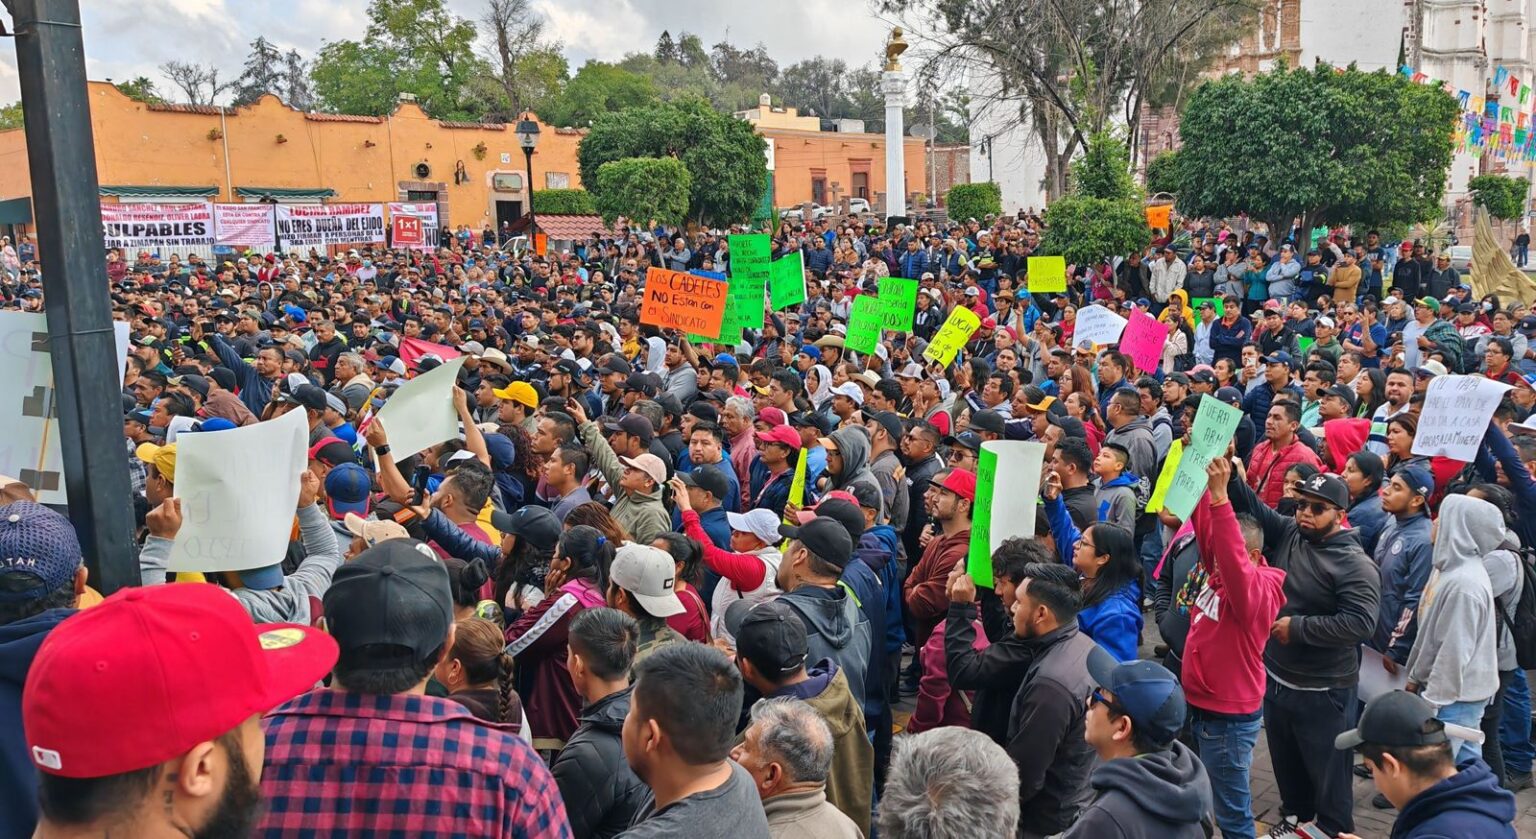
893	83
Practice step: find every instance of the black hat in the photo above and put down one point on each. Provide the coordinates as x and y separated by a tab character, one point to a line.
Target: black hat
892	424
868	494
990	421
570	368
309	396
642	383
847	513
670	404
709	479
769	634
195	382
1399	718
634	425
1343	392
1178	378
395	595
614	364
965	440
224	376
704	411
1229	395
1203	377
1070	426
535	525
1330	488
824	537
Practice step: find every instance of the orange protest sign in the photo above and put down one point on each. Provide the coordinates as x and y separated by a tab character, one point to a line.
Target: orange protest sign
675	300
1159	217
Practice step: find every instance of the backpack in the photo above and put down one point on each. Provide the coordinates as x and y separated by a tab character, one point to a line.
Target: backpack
1523	628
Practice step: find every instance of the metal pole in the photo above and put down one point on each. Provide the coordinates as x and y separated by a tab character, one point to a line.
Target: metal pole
533	227
50	59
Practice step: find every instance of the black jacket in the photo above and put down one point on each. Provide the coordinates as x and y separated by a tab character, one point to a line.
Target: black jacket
601	793
1045	732
994	673
1332	595
1173	621
1159	795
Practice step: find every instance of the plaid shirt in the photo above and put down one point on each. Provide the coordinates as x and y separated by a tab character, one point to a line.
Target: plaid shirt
349	764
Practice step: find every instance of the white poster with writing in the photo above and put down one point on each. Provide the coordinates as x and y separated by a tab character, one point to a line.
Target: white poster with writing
157	228
238	491
243	225
427	212
1097	325
1456	414
421	412
323	225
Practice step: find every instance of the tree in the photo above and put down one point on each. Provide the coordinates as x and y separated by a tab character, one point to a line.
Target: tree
140	89
1502	196
1163	173
10	117
1104	170
724	155
643	189
199	83
527	70
434	50
1103	216
976	200
753	68
690	51
297	91
264	73
665	51
816	85
598	88
564	202
355	78
1311	144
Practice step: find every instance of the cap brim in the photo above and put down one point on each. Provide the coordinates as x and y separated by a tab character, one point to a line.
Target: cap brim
662	607
1348	740
788	532
1318	496
1101	666
297	656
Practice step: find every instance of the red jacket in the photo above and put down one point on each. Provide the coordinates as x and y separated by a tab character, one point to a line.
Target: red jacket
537	642
938	703
924	588
1230	619
1267	468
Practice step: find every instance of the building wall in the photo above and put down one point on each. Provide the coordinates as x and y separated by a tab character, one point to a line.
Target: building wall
950	165
1004	149
801	157
366	159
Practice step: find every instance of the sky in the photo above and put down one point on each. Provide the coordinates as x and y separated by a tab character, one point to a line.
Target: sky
124	40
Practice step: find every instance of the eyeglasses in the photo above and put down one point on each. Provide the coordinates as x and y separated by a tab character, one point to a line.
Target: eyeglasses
1098	698
1316	508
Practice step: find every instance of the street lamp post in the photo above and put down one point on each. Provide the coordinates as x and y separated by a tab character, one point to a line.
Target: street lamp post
528	138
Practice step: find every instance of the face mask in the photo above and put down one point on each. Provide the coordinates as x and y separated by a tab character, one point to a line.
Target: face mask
1487	307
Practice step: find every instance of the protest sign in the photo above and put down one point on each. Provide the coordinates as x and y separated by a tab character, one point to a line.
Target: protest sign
1097	325
1455	416
1143	341
786	281
157	227
324	225
412	349
1220	304
796	493
1215	423
751	268
405	231
898	303
864	324
30	450
1165	478
421	413
1303	343
1411	334
1007	493
729	333
238	490
1160	216
245	225
952	335
1047	273
426	213
677	300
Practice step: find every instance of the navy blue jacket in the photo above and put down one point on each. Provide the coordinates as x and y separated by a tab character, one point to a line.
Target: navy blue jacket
1469	803
1496	447
255	391
18	777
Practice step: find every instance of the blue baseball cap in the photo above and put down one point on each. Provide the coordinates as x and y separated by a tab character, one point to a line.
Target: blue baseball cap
726	358
1418	479
215	424
1281	357
347	489
810	350
1145	691
39	551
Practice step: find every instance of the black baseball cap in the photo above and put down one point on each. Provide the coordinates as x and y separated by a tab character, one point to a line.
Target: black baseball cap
1343	392
1330	488
614	364
769	634
849	514
570	368
889	421
392	600
823	536
709	479
642	383
965	440
1203	377
990	421
704	411
634	425
1229	395
1070	426
535	525
1144	691
309	396
1400	718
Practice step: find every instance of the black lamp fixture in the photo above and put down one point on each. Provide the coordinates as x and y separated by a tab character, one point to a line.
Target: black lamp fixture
528	138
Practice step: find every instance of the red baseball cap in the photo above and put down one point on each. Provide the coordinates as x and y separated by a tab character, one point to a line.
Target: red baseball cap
183	662
781	434
961	482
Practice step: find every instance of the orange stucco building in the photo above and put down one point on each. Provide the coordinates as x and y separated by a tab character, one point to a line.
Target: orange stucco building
476	172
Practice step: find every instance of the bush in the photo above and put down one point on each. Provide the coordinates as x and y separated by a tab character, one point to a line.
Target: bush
564	202
1104	170
965	201
643	189
1087	230
1163	173
1502	196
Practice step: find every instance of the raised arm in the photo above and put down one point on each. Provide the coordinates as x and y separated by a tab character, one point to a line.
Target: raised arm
1063	530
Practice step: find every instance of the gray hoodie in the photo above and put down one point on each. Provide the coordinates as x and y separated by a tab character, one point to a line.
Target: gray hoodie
835	628
1503	568
1157	795
1455	656
853	443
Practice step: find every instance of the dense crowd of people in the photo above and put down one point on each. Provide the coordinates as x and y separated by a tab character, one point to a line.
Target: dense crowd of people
662	587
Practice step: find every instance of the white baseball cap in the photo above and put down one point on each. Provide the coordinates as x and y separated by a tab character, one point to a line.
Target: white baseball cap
850	390
649	575
759	522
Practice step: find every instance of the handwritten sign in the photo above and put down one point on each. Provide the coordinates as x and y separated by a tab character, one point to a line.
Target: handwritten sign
675	300
727	333
1097	325
1165	478
1215	423
786	281
751	268
1160	216
1303	343
864	324
957	329
1143	340
1220	304
898	303
421	412
238	489
1007	495
1456	414
1411	334
796	492
1047	273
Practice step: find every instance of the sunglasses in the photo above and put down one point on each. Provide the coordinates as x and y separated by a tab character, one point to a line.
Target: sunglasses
1098	698
1316	508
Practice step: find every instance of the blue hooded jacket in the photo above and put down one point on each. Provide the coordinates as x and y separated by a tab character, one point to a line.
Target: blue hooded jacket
1114	622
879	548
19	642
1469	803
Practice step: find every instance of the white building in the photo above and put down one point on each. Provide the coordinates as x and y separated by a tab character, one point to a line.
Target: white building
1004	149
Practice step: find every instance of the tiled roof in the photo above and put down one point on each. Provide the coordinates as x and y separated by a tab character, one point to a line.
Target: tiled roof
488	126
342	118
212	110
569	227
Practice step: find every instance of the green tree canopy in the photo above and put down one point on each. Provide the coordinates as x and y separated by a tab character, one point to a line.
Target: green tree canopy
643	189
1502	196
723	155
1104	170
1102	216
1163	173
10	116
411	46
598	88
1324	145
563	202
965	201
140	88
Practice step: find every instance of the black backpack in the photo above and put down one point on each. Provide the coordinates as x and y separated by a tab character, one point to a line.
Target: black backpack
1523	627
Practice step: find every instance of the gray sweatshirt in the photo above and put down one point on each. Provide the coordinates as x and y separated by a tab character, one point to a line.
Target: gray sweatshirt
1455	656
289	604
1503	568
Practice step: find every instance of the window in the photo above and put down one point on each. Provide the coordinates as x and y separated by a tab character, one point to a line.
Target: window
557	180
421	195
819	190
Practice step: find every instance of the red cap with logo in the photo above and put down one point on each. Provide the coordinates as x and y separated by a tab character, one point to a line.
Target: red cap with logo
961	482
151	672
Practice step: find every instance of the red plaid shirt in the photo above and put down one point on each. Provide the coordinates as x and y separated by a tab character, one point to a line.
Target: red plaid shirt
350	764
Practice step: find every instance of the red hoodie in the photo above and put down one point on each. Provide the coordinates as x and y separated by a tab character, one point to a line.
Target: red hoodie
1344	437
1230	619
